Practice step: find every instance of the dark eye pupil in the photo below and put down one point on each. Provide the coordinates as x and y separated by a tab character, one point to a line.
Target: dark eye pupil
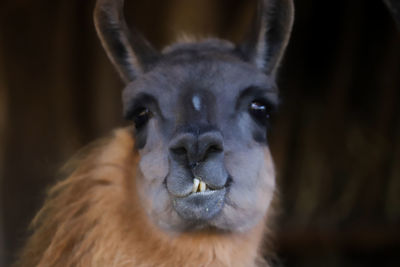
260	110
140	117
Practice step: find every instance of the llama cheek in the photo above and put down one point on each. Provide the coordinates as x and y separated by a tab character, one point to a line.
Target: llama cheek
154	166
243	198
156	203
238	219
252	190
267	173
159	209
245	166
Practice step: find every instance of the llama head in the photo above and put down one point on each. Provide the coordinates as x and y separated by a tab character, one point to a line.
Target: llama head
201	113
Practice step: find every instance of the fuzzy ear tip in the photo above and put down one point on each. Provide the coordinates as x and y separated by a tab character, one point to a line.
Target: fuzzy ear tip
127	49
269	36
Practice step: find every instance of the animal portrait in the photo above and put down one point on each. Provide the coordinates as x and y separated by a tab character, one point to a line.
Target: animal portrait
191	180
195	133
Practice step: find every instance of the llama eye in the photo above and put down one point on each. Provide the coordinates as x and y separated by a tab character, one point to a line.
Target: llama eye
141	116
260	110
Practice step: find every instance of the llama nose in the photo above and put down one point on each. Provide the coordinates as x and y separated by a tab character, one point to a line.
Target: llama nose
193	149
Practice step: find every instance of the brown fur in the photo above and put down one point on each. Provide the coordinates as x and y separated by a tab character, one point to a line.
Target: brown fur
94	218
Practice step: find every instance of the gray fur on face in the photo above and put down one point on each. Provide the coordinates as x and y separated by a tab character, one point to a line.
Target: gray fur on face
219	77
195	122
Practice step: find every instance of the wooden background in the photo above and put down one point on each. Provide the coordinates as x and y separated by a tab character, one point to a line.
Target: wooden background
336	140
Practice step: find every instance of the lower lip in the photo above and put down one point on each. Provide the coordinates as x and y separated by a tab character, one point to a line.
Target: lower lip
201	206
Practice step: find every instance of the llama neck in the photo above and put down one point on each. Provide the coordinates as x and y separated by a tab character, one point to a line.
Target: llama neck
94	218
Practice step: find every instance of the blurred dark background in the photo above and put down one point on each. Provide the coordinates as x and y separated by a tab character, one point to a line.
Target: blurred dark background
336	141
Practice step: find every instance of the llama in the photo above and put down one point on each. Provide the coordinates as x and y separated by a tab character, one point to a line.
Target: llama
191	182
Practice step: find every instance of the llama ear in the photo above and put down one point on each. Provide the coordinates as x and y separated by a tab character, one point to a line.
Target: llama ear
269	35
128	50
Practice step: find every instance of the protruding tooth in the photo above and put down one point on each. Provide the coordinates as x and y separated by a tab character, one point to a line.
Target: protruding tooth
202	186
196	183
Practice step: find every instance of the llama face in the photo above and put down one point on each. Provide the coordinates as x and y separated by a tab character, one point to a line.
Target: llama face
201	116
201	129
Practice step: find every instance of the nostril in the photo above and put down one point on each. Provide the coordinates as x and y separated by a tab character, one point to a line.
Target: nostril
188	148
179	155
210	143
214	149
210	150
182	145
180	151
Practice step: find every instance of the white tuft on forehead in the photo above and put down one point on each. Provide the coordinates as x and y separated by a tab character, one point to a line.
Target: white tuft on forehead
196	101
